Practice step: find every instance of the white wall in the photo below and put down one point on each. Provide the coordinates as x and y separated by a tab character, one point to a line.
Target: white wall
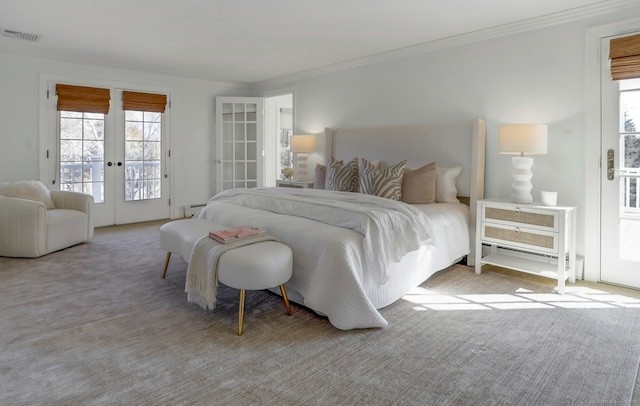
192	121
529	77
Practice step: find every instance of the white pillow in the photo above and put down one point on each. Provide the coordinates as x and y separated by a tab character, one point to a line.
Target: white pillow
29	190
446	191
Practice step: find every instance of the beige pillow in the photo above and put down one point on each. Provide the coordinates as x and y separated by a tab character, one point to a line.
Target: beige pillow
29	190
419	185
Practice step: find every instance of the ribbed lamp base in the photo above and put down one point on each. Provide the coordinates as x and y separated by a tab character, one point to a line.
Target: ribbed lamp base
521	180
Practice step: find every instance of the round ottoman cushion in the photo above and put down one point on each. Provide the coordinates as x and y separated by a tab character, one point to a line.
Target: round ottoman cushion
257	266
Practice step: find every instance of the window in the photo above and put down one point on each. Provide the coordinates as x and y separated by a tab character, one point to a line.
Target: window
142	155
630	144
82	153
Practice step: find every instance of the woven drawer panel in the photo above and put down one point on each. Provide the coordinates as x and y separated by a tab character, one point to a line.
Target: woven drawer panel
544	220
536	240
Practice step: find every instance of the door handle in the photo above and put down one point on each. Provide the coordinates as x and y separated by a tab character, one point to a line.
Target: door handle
109	163
119	163
610	165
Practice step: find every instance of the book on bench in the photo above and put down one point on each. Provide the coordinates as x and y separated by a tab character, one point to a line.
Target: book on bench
235	234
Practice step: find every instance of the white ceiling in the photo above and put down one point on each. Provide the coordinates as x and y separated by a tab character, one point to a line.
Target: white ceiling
249	41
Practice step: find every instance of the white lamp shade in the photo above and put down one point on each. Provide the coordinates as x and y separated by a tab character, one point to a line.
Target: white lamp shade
522	139
303	143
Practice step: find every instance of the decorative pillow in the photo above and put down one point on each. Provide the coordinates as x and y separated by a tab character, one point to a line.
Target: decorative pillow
382	182
446	191
29	190
342	177
419	185
376	165
321	174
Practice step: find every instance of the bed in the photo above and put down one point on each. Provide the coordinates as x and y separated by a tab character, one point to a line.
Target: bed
354	253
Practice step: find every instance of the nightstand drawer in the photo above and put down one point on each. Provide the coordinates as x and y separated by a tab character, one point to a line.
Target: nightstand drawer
517	216
519	237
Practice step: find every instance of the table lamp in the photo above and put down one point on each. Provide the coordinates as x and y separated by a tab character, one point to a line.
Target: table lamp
301	145
522	139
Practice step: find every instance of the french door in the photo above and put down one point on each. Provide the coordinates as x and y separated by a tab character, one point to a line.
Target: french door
620	178
239	142
120	158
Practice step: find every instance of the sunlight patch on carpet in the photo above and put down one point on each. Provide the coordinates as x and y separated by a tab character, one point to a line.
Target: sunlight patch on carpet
576	297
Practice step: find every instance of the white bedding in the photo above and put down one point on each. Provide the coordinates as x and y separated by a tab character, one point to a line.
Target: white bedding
339	271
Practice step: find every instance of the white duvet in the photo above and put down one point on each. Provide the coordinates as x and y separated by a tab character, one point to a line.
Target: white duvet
341	243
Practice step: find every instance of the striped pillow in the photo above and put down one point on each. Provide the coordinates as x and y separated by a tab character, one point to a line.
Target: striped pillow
385	182
341	177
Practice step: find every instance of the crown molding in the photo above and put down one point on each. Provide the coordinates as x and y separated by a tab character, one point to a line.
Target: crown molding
549	20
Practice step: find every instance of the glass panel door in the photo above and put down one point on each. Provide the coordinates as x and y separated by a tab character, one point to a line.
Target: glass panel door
239	142
620	232
142	159
118	158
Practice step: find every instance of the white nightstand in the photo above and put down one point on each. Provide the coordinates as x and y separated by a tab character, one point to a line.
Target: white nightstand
294	184
531	238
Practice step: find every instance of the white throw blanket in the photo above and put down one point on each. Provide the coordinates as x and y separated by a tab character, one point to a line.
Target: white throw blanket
390	228
202	274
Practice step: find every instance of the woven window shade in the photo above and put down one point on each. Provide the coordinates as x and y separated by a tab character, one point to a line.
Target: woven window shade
625	57
83	99
144	101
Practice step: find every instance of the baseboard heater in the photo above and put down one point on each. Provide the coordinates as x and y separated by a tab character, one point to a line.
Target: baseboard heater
190	210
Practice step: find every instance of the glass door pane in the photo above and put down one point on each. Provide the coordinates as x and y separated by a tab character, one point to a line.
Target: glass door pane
239	143
82	153
142	155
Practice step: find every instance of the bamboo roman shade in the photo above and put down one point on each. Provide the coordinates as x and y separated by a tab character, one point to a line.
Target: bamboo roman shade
83	99
144	101
625	57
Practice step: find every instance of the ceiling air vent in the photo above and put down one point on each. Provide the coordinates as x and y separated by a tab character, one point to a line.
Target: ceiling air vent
19	35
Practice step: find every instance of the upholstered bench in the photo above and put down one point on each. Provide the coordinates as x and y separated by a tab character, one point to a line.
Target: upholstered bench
258	266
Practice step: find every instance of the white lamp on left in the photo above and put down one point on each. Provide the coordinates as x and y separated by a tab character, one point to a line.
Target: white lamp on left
301	145
522	139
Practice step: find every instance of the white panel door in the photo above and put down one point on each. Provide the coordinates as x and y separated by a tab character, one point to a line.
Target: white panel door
239	142
620	176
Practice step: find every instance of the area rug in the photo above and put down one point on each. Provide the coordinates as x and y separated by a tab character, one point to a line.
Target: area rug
95	324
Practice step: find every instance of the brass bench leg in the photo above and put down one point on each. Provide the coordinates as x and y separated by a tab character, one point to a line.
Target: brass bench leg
166	264
241	307
241	312
286	300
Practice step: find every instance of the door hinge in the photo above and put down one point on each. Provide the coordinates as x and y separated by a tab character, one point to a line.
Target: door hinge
169	153
47	154
169	103
47	93
169	202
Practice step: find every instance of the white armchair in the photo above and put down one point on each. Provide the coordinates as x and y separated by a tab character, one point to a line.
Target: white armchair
29	229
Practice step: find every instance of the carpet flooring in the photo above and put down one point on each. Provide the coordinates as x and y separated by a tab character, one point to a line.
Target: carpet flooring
96	325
